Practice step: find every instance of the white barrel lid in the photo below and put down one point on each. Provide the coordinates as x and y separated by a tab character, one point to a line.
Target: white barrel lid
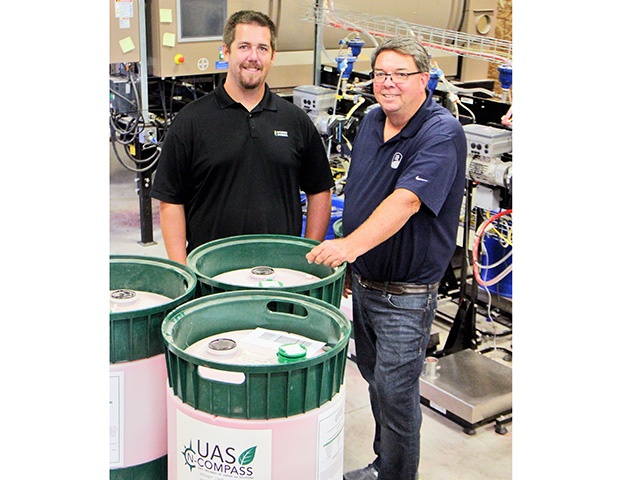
266	277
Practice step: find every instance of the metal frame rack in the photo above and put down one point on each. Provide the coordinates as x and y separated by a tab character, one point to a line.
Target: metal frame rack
472	390
463	44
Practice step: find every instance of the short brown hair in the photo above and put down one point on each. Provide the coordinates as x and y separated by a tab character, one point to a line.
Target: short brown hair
247	17
405	46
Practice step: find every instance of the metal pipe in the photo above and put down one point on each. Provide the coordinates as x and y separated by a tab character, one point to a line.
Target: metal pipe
465	239
144	91
318	42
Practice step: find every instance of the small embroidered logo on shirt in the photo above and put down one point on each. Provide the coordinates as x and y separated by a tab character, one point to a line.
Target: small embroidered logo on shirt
420	179
395	161
281	133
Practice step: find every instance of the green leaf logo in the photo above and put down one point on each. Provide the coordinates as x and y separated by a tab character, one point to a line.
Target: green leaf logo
247	456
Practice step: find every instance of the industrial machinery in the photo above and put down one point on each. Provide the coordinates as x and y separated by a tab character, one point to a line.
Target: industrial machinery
185	36
322	65
470	388
134	133
167	53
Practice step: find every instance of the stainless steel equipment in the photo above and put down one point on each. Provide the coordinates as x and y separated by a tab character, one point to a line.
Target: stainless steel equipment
470	389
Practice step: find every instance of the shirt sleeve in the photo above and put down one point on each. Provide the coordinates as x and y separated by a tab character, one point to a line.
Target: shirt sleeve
315	173
171	179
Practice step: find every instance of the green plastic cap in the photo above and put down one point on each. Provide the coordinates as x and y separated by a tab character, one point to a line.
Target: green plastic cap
292	351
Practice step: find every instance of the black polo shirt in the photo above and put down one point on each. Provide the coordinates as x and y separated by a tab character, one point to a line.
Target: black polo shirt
239	172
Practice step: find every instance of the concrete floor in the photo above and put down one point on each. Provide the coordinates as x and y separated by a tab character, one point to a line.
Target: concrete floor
446	452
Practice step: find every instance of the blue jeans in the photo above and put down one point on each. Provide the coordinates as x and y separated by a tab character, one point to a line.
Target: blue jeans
391	335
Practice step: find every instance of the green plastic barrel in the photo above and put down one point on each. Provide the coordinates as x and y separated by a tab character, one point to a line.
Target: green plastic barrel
136	335
269	391
138	371
337	228
276	251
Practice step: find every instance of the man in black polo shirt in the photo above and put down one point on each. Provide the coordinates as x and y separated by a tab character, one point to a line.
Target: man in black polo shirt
234	161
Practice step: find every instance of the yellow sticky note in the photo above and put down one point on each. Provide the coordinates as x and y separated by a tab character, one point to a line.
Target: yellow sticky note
169	40
165	15
126	44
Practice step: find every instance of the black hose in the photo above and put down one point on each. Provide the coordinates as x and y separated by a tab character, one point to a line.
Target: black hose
155	157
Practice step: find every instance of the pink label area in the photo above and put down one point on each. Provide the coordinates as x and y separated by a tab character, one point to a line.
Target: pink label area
204	446
142	411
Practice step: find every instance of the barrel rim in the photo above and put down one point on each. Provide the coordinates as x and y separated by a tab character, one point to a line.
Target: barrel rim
199	252
180	312
186	272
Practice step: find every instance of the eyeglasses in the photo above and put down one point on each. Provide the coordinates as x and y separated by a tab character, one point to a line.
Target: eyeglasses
396	77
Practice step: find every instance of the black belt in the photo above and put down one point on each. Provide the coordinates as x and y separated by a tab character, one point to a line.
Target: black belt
396	288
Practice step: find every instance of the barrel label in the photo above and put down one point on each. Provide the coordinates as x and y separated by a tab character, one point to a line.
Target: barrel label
210	452
116	414
331	440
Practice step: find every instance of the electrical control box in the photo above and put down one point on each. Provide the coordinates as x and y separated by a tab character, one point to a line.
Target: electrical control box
313	99
122	99
185	37
487	141
124	31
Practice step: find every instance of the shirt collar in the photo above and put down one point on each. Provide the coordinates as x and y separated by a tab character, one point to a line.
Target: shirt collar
225	101
411	128
415	122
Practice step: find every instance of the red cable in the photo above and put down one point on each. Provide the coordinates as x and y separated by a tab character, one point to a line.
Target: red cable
479	234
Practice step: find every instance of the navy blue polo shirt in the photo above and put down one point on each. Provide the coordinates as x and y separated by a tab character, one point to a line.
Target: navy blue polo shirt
428	157
239	172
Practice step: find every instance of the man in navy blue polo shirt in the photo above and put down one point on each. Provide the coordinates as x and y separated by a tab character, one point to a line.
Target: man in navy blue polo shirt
234	161
402	205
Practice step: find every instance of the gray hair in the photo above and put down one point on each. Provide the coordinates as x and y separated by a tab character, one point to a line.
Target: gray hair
247	17
405	46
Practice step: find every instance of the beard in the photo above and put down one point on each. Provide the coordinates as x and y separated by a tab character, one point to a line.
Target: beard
248	82
249	86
